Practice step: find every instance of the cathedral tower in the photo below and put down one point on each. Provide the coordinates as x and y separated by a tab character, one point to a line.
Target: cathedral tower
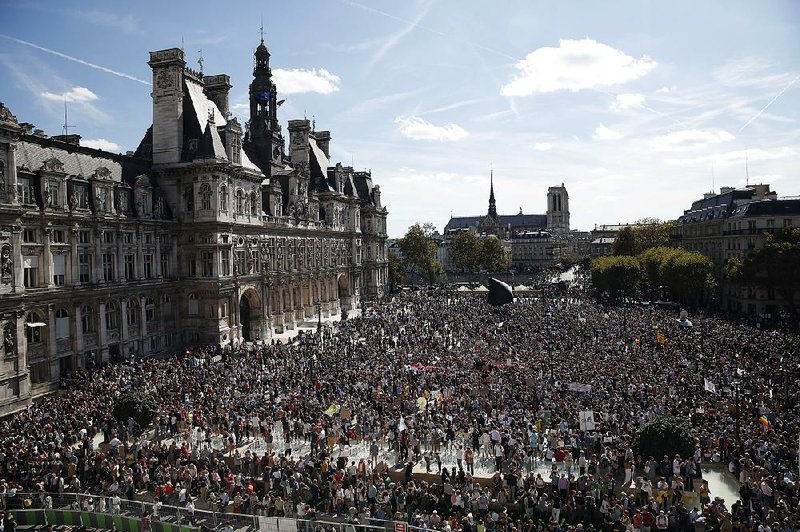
558	209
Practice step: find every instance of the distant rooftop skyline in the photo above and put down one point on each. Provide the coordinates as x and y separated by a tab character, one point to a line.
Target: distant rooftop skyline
637	107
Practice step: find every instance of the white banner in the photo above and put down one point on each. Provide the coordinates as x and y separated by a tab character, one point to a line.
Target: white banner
709	386
578	387
586	420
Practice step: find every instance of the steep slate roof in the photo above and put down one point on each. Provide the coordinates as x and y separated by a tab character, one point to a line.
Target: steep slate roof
769	207
81	161
717	206
514	220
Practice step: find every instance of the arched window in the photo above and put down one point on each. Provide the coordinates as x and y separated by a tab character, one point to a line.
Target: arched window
133	311
62	323
194	307
223	198
87	319
149	310
205	196
254	207
112	316
33	328
239	201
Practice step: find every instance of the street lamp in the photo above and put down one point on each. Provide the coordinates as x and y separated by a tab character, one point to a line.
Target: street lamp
319	315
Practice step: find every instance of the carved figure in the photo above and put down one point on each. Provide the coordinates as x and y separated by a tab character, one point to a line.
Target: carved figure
9	344
73	201
6	264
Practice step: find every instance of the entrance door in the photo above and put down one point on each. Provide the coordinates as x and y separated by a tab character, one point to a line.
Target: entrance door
244	318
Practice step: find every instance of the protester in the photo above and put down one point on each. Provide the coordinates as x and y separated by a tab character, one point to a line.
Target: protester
350	421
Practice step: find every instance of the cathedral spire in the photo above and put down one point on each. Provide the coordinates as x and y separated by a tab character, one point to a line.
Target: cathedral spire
492	207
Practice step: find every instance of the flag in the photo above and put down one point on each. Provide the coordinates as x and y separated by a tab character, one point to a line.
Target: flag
332	410
709	386
264	96
661	339
764	421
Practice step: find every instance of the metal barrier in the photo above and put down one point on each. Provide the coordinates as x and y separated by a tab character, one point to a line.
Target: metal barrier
99	512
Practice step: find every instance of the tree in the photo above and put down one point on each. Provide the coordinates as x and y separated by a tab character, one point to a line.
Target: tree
777	266
651	261
651	233
397	273
419	250
138	405
665	436
619	276
465	248
642	235
687	276
624	243
493	255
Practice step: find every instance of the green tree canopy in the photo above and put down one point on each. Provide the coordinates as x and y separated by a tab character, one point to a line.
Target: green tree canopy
619	276
651	261
687	275
777	266
644	234
625	243
397	273
419	250
493	255
465	248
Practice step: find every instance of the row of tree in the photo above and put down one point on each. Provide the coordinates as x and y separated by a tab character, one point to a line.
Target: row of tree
658	272
469	254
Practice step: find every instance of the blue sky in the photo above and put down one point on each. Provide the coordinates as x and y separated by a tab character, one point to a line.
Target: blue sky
633	105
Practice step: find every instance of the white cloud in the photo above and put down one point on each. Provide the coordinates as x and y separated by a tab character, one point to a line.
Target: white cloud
298	80
542	146
625	101
690	138
606	133
737	158
102	144
417	128
665	90
573	66
74	95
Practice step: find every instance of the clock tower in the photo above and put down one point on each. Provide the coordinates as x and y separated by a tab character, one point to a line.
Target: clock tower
263	138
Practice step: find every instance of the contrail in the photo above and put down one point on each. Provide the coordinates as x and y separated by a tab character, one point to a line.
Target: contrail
75	59
786	88
429	30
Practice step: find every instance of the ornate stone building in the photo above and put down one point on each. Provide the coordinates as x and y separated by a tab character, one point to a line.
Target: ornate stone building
208	232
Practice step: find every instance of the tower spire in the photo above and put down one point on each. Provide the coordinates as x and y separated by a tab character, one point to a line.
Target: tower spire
492	206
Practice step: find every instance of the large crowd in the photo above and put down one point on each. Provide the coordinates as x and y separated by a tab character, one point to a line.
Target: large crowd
441	411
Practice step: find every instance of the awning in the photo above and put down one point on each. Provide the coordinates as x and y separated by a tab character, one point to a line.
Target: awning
35	324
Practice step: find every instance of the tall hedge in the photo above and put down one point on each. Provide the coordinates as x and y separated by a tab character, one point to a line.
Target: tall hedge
141	406
665	436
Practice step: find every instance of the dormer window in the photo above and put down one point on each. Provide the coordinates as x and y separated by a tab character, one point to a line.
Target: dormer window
25	190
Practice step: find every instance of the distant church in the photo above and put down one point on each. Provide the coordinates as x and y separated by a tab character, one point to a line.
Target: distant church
504	226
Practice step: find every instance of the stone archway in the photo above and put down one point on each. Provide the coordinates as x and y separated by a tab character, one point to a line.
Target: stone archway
250	315
345	294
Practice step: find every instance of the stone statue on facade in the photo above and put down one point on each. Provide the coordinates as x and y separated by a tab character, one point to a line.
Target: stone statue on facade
6	264
9	344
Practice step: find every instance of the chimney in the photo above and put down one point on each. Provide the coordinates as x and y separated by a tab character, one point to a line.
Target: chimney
217	89
168	71
73	139
298	133
324	142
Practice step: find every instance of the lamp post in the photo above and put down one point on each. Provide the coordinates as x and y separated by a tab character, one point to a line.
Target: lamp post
319	315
